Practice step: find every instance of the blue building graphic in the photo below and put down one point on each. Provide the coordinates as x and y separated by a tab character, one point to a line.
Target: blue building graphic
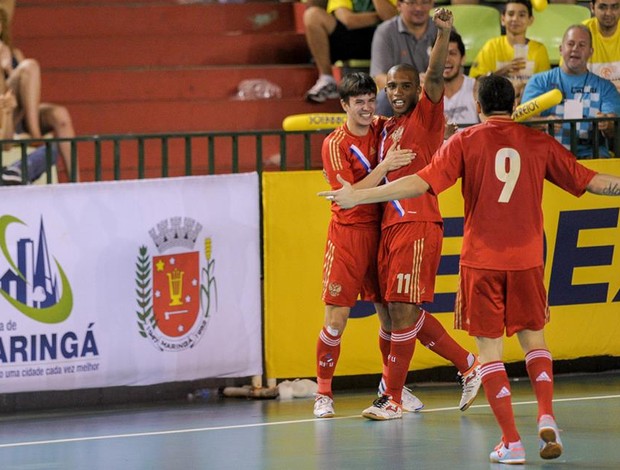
34	285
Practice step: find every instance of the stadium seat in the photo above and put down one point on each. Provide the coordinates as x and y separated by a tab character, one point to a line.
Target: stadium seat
476	24
551	23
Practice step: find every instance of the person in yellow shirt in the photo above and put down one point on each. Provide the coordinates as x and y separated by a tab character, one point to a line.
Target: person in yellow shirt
513	55
605	60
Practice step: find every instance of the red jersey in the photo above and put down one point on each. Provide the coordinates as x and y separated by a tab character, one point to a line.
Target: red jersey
503	166
421	131
352	157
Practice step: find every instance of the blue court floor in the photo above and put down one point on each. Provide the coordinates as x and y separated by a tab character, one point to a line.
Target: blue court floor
272	434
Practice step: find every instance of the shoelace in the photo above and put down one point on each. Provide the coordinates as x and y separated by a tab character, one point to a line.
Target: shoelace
322	399
381	402
465	382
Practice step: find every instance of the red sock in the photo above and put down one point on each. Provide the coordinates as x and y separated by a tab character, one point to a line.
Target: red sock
401	352
327	352
497	390
435	337
540	369
385	343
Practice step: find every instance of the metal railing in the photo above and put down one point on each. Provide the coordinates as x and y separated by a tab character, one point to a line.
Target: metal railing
139	156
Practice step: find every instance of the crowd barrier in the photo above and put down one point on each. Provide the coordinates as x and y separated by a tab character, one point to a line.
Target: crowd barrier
139	156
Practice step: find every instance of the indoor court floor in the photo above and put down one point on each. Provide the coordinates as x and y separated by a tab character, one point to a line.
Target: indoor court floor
272	434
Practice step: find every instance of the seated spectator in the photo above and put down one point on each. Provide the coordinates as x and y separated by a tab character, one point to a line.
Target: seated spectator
342	32
407	38
605	39
586	95
459	101
512	55
37	160
31	117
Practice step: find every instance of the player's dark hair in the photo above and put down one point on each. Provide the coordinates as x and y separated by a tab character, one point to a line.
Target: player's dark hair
356	84
527	3
496	95
407	68
456	37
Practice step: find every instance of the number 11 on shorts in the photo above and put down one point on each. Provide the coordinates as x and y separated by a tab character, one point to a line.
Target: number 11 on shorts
404	283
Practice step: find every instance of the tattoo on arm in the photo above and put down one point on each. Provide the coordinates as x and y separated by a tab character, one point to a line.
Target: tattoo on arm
613	189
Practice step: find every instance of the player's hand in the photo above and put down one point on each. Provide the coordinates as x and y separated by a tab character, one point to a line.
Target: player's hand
443	19
396	158
449	130
344	197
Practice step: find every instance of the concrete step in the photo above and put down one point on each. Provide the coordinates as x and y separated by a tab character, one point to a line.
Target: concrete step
189	115
78	19
202	83
180	50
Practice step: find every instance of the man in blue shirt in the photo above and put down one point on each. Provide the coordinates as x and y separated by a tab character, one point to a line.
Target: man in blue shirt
586	95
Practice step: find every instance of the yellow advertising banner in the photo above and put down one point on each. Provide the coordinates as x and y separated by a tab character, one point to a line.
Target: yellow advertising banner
582	273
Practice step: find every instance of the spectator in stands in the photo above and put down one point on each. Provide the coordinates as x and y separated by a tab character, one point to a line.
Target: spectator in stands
407	38
586	95
512	55
23	77
605	60
37	160
344	31
459	100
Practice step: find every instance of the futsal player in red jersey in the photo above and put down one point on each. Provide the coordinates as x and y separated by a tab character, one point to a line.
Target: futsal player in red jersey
412	233
502	165
350	267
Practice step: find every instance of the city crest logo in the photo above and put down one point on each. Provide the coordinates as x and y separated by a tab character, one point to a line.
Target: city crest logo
32	284
175	287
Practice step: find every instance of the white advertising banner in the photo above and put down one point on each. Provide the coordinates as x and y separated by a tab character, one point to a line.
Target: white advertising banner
129	282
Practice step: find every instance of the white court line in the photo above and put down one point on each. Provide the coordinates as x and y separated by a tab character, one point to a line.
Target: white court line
258	425
532	402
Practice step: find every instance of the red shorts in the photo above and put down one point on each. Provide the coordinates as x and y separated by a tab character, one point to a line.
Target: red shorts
409	255
490	301
350	265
